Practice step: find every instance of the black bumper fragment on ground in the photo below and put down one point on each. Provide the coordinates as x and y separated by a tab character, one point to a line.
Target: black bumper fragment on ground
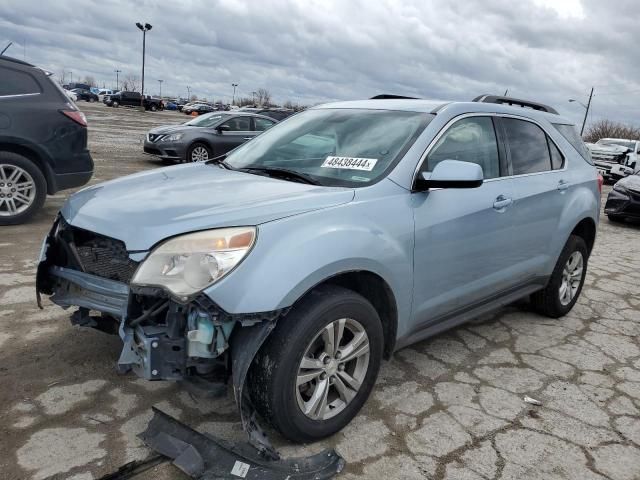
207	458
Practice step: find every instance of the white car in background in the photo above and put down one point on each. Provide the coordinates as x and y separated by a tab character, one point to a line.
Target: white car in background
103	92
615	158
71	95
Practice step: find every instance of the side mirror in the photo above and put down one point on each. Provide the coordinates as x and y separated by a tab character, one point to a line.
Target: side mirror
451	174
223	128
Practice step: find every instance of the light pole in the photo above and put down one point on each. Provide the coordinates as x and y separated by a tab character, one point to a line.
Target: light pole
233	101
253	99
188	93
160	82
144	28
586	109
117	82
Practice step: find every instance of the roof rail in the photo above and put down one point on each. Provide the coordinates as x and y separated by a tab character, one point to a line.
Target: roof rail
515	102
386	96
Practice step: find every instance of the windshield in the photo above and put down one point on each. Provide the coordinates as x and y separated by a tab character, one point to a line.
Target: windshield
206	120
343	147
622	143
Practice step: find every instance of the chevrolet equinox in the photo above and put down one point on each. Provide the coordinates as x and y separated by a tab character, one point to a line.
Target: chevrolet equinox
295	264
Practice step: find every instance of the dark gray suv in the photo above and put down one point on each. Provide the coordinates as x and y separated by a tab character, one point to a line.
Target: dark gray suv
43	141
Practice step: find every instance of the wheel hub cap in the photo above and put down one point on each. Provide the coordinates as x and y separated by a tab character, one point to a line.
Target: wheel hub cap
17	190
571	278
332	369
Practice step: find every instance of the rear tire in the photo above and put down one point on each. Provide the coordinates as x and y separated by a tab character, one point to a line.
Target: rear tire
274	377
16	174
91	100
115	104
153	108
566	282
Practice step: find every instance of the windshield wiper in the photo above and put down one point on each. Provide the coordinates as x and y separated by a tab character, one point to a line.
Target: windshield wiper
219	160
284	173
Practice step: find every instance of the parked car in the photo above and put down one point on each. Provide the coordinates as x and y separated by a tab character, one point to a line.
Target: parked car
71	95
206	136
86	95
73	85
199	108
43	141
133	99
308	254
277	113
615	158
624	200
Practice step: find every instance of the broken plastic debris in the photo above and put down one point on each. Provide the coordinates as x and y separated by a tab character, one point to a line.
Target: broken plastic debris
532	401
205	457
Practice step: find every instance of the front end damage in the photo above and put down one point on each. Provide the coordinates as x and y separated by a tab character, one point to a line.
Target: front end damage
163	339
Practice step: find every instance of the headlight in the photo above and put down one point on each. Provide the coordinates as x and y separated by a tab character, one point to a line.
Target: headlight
174	137
619	188
189	263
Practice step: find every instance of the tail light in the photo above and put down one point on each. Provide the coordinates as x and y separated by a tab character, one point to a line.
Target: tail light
75	115
600	182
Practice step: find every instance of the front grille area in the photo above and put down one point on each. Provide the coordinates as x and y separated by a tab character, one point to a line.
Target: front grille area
152	151
95	254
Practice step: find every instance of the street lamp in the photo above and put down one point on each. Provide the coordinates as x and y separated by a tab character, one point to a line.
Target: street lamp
117	82
144	28
586	109
233	101
188	93
160	82
253	95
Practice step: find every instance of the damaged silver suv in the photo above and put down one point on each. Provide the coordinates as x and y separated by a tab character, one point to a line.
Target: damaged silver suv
293	265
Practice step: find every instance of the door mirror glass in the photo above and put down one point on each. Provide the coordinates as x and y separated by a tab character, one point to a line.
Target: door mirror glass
451	174
223	128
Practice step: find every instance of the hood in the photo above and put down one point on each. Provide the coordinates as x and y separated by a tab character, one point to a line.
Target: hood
169	129
598	147
145	208
632	182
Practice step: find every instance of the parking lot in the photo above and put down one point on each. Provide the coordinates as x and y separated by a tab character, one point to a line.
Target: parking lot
450	407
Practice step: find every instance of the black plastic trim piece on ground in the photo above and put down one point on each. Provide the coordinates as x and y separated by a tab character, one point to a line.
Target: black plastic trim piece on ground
208	458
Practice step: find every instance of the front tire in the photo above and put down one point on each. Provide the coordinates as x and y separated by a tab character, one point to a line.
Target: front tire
316	370
615	218
566	282
115	104
23	188
153	108
199	152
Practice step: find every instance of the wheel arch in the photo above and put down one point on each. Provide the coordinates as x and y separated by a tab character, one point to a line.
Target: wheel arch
377	291
206	141
37	158
586	229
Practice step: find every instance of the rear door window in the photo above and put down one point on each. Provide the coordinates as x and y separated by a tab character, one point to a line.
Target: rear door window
262	124
557	160
239	124
571	135
471	139
528	148
15	82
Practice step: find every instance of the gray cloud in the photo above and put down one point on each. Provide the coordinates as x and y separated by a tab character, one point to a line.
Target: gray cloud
316	51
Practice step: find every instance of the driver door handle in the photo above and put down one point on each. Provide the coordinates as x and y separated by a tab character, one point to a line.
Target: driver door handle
502	202
248	138
563	185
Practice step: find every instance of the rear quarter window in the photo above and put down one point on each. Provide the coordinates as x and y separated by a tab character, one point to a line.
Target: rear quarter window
571	135
15	82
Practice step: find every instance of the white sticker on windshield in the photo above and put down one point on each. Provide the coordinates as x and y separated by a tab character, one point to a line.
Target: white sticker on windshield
350	163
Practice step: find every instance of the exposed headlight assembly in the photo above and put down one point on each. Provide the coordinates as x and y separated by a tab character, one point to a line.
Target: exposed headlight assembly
174	137
189	263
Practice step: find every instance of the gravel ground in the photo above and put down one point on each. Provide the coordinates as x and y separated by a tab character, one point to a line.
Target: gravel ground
450	407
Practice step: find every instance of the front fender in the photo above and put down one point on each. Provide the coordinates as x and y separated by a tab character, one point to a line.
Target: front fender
294	254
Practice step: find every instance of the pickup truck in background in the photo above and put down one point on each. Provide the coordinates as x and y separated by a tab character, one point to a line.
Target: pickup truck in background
615	158
132	99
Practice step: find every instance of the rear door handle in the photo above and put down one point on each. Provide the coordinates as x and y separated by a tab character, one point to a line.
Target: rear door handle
248	138
502	202
563	185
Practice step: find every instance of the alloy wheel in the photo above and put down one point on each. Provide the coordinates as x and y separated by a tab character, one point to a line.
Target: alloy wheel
332	369
199	154
571	278
17	190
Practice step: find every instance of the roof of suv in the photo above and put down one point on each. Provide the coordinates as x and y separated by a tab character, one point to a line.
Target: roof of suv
436	107
15	60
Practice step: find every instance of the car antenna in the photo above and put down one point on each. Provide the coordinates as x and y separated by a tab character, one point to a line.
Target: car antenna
5	48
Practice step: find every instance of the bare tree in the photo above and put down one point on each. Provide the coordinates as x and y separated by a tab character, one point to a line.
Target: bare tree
130	83
610	129
263	97
193	98
244	101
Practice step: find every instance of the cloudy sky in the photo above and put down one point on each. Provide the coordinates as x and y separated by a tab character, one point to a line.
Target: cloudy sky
313	51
